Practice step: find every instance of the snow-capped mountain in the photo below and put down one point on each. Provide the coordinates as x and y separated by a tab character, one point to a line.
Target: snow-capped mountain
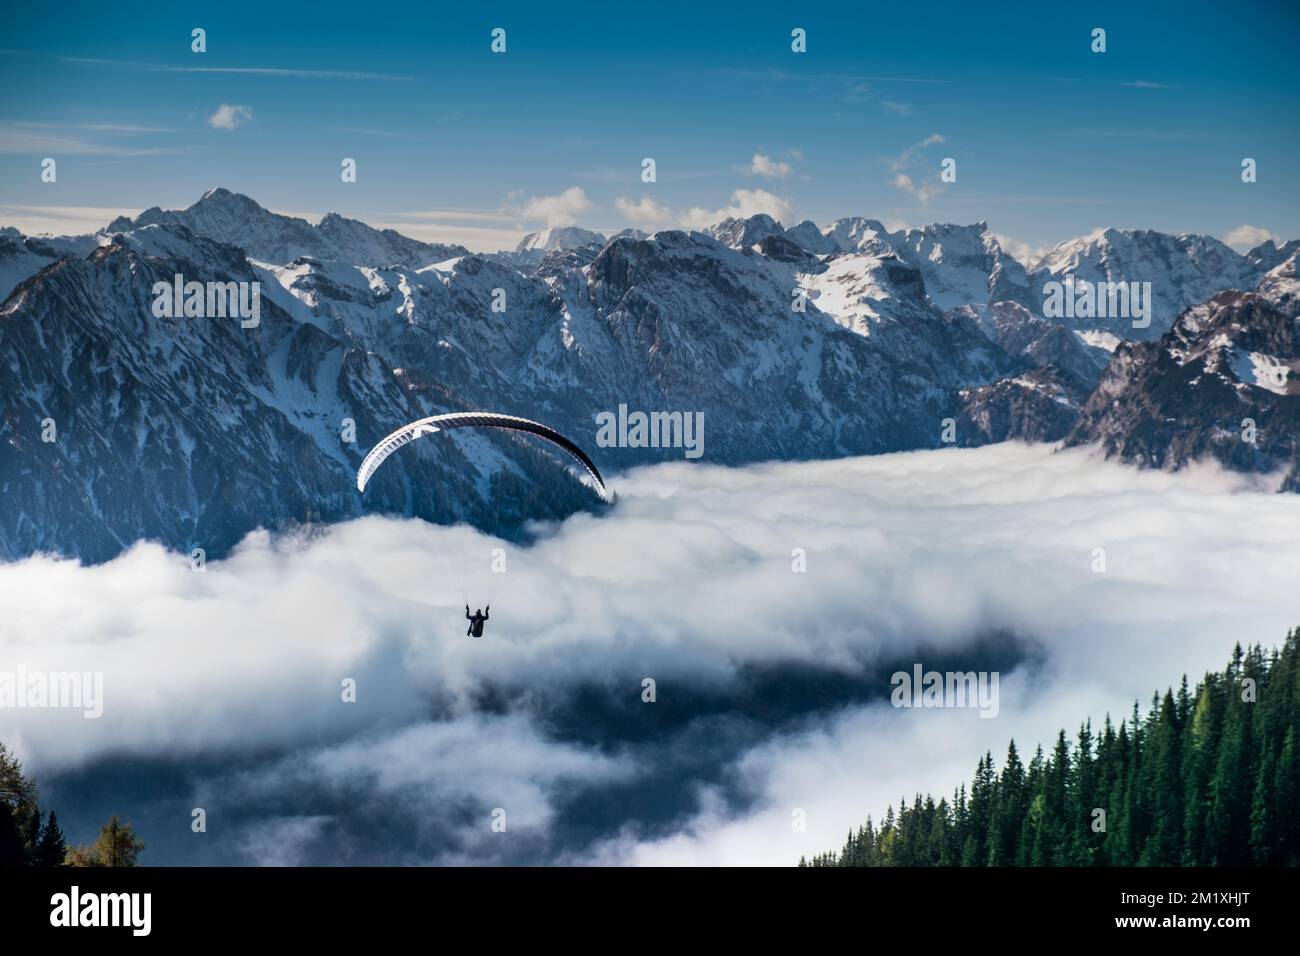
1182	270
1281	286
744	233
1223	382
556	246
1269	255
239	221
808	235
961	265
1040	405
559	237
1039	341
856	234
118	425
793	343
964	265
23	256
674	322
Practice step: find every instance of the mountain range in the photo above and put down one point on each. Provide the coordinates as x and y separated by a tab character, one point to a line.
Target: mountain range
797	343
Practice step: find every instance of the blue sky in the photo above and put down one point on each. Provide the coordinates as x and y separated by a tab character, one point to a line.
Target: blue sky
458	144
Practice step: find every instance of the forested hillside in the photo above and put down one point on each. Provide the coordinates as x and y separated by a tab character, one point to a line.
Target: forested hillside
1206	778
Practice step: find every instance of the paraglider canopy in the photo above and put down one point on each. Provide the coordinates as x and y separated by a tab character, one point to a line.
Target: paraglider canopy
428	426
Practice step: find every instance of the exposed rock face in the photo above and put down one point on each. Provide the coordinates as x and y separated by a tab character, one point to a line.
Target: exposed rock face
797	343
1182	271
1224	382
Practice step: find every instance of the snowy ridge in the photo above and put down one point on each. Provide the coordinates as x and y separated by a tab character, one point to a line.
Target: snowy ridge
794	343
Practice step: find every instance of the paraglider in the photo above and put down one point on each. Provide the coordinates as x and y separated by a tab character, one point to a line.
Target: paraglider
475	621
436	423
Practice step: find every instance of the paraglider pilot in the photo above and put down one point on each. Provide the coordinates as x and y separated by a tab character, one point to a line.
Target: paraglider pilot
475	621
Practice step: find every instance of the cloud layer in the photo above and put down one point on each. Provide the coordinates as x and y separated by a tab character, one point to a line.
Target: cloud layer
771	684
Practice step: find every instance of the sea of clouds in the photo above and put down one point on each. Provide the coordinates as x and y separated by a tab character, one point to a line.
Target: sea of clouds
222	689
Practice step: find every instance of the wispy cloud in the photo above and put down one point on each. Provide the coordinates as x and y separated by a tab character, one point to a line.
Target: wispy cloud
984	200
247	70
457	232
461	215
786	76
387	133
35	220
1101	132
126	128
55	140
928	185
631	174
1148	85
123	128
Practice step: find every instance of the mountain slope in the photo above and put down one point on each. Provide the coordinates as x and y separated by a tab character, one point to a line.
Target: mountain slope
22	257
1182	270
196	431
236	220
792	344
1224	382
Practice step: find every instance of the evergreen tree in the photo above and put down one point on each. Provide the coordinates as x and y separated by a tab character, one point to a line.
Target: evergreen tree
51	848
1008	811
1209	776
1286	784
1165	784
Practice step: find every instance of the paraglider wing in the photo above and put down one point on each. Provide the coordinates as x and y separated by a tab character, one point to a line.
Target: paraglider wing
427	426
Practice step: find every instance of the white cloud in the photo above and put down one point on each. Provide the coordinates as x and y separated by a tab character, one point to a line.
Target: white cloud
767	167
863	759
744	203
230	117
461	215
561	210
1244	238
929	185
650	215
1026	253
61	220
644	212
687	579
476	763
476	238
